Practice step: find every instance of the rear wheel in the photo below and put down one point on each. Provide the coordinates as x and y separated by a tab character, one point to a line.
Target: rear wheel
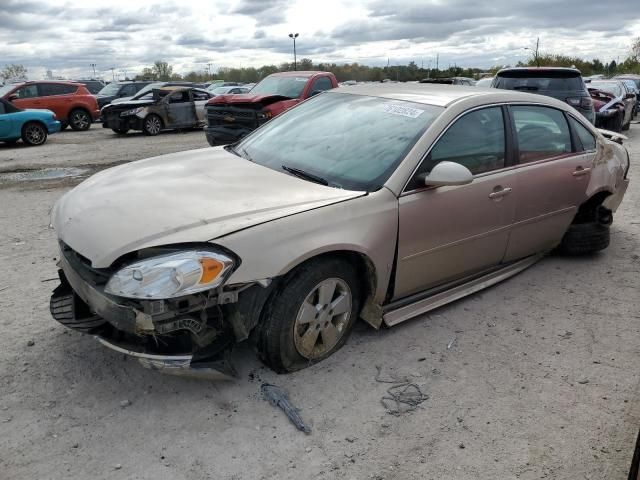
152	125
34	133
311	317
80	120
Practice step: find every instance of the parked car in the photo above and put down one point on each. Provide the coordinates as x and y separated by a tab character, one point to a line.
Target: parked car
165	108
118	90
71	102
378	201
565	84
227	91
450	81
632	88
94	86
231	117
610	110
484	82
618	90
32	126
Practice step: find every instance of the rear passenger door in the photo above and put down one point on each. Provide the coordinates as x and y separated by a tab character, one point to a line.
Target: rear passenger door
553	169
57	97
181	110
200	99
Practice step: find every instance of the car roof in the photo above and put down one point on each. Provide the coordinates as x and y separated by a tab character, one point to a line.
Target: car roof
539	69
443	95
303	73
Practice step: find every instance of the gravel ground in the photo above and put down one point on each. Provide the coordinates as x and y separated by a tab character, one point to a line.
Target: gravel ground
534	378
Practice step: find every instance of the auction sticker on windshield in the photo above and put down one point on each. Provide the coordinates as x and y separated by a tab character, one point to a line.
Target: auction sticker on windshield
395	109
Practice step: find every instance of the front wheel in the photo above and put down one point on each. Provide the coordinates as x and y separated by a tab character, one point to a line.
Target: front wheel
311	316
80	120
152	125
34	134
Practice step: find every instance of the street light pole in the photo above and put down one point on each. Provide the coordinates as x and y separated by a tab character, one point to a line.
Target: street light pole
94	69
295	60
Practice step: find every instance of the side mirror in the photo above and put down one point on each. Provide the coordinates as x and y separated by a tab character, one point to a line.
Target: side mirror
630	95
13	97
448	173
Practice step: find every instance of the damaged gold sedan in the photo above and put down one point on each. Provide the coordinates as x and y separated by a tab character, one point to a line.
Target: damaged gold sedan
378	202
160	109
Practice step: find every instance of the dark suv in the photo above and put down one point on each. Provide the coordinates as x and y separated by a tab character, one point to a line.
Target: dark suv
118	90
565	84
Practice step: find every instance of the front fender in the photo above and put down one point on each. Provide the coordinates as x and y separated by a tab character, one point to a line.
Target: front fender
367	225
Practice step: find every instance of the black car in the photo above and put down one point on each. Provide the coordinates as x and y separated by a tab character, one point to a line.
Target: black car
118	90
470	82
565	84
94	86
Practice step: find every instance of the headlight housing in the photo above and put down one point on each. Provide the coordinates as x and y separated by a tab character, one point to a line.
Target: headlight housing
133	111
172	275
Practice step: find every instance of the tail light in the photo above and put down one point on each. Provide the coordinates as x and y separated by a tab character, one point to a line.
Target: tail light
580	102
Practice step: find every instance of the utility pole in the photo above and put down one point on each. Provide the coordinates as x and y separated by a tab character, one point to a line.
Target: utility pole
94	69
437	62
113	75
209	69
293	36
538	51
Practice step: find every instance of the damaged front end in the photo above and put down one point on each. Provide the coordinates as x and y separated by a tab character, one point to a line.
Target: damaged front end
189	334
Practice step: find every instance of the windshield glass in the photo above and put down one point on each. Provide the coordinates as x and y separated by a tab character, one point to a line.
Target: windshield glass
110	89
611	87
353	142
286	86
221	90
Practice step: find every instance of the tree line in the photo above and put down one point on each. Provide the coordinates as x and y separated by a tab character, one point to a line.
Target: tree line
162	71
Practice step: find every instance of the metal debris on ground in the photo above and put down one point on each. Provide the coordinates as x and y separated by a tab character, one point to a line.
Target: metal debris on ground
451	343
402	397
279	398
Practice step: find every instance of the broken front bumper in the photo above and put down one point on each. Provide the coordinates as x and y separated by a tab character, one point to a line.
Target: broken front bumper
79	304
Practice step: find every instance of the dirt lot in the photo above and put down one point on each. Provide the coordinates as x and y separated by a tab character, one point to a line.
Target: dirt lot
534	378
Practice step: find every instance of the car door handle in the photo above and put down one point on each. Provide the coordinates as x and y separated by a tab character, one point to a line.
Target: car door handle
579	171
500	192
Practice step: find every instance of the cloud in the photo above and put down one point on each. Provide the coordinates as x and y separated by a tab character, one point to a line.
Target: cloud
264	12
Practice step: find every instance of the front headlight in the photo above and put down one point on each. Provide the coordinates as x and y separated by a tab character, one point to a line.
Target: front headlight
133	111
172	275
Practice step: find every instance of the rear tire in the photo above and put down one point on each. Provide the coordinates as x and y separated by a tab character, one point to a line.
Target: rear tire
34	133
152	125
80	120
310	317
585	238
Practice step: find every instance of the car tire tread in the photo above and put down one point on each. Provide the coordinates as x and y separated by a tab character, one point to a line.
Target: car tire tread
585	238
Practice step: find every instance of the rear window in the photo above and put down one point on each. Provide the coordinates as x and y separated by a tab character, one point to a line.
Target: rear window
533	81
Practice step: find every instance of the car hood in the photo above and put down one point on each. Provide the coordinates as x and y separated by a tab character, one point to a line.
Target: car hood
193	196
247	98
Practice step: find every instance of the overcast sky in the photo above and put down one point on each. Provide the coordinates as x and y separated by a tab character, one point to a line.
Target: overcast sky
67	36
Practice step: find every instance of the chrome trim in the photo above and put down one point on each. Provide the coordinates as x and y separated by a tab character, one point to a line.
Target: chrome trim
171	364
393	317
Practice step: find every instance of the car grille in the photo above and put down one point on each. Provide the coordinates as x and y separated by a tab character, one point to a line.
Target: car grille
230	117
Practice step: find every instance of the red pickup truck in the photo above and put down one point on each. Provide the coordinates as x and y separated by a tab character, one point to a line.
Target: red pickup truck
231	117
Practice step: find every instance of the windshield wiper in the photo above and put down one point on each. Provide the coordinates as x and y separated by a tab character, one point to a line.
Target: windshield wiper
242	153
305	175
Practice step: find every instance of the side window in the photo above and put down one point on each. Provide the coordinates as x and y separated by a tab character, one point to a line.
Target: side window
28	91
50	89
179	97
321	84
586	137
476	141
128	90
199	96
541	133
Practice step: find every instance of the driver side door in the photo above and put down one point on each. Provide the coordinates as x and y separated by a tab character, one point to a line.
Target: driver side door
449	232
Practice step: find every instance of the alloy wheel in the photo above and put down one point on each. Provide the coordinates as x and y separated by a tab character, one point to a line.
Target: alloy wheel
80	120
153	125
35	134
322	318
